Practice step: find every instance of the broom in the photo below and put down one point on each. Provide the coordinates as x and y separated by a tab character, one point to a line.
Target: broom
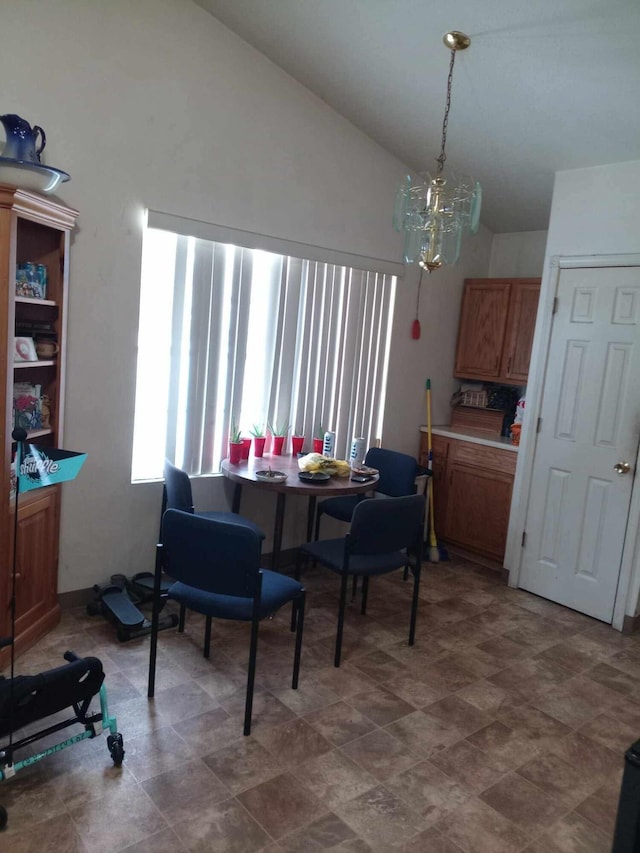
435	553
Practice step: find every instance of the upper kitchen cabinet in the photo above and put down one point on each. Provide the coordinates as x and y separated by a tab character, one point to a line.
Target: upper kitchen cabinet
495	334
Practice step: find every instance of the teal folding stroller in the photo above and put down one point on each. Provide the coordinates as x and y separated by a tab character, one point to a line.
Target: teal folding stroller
26	699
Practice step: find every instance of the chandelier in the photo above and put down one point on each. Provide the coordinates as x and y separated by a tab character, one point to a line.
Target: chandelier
436	212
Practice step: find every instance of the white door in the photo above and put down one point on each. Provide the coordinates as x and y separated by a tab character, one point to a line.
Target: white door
578	503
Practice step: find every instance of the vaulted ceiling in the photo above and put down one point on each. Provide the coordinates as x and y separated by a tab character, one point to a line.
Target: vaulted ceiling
546	85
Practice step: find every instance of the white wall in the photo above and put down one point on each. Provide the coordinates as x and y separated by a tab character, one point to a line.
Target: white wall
520	255
155	104
595	211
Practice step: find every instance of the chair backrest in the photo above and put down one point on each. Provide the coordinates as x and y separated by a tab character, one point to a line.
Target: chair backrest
177	488
398	471
211	555
380	527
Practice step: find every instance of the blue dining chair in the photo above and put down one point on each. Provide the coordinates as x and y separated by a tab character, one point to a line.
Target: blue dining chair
396	477
215	569
385	535
177	494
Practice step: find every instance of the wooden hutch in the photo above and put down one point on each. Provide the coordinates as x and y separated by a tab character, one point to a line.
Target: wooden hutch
33	230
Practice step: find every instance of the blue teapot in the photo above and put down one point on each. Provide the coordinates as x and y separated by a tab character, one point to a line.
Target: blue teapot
22	139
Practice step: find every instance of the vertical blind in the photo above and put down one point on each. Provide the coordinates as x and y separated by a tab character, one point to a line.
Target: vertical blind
251	337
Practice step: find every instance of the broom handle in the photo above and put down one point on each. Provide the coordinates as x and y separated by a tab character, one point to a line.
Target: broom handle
429	447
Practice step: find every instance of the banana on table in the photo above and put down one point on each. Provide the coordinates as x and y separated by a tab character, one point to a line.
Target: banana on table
314	462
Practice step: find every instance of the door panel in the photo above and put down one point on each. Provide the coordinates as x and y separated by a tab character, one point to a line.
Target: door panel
578	504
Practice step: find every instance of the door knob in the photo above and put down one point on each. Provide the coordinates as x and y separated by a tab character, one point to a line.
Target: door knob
622	467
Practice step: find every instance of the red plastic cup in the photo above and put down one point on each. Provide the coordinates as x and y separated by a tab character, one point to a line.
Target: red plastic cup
235	452
246	447
277	442
258	445
296	444
318	444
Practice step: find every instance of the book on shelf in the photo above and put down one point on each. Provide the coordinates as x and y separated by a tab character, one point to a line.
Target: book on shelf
27	406
33	328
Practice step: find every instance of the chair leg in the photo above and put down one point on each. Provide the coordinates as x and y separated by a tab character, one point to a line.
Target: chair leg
153	648
318	516
414	603
354	588
405	574
207	638
343	601
299	604
181	619
296	574
253	652
365	594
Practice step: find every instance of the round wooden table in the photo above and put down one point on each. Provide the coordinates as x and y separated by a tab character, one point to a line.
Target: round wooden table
245	474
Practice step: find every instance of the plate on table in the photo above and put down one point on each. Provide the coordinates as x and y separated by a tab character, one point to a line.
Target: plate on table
271	476
363	471
314	476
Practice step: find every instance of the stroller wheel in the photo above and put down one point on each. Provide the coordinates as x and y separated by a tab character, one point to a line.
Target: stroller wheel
3	817
116	748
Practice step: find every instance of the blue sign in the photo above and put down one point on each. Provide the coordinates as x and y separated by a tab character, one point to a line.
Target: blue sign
44	466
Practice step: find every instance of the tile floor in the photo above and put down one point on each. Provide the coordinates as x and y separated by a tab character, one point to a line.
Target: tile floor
503	729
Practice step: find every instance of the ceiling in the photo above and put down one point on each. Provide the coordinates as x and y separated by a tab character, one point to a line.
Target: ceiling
544	86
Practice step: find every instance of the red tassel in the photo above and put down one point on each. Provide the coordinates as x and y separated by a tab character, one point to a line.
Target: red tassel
415	330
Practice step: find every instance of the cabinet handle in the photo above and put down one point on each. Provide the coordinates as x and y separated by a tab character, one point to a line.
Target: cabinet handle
509	365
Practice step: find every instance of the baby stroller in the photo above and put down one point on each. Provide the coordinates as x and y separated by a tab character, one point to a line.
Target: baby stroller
26	699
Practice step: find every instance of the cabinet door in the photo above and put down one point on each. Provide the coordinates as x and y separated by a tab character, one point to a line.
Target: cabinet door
478	509
36	562
440	448
481	333
521	322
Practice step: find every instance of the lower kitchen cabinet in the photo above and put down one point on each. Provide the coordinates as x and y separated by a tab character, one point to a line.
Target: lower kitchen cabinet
472	494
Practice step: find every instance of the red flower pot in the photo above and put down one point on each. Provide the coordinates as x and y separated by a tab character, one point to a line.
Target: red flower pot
235	452
246	447
258	445
317	445
296	444
277	442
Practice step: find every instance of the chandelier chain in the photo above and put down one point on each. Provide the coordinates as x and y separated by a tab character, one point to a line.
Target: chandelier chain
441	159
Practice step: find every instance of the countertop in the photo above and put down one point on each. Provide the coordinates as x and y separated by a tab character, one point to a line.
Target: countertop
475	436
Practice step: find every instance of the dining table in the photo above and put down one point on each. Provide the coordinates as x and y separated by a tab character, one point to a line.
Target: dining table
247	473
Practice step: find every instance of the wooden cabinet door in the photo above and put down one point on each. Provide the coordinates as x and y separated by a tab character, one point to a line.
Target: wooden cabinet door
521	323
478	509
36	562
440	448
481	333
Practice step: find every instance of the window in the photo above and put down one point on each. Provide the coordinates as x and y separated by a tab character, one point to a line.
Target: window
232	333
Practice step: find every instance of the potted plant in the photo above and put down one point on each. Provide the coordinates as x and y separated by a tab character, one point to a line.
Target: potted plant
259	439
318	439
278	435
297	442
235	444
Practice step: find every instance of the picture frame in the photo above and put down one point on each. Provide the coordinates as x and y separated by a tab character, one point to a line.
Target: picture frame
24	350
